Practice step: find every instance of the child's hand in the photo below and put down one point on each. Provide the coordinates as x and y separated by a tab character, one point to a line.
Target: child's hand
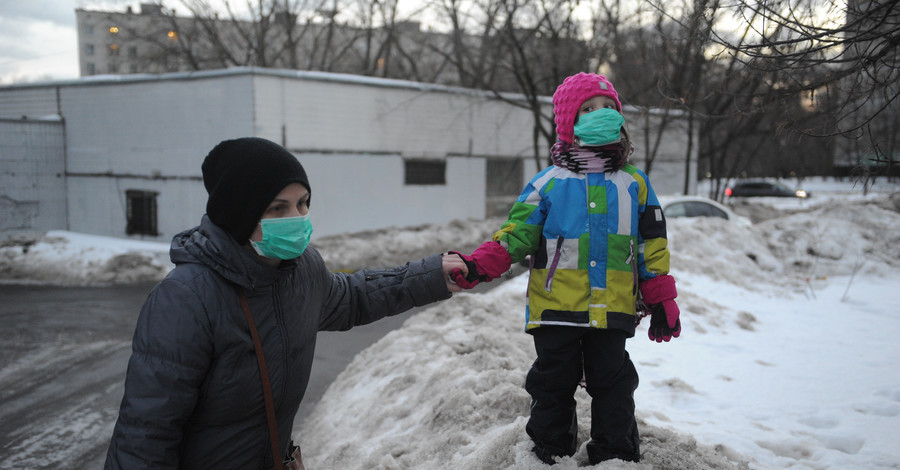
452	264
488	262
663	324
659	294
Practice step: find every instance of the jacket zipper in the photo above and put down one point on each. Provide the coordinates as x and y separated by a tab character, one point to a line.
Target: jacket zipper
282	326
632	259
548	286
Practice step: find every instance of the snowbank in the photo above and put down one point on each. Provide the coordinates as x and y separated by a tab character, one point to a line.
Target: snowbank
447	391
68	258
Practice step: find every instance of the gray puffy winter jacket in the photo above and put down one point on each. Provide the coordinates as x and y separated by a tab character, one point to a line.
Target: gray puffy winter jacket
193	397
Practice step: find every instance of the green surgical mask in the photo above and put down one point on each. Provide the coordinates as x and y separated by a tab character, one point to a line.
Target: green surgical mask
284	238
600	127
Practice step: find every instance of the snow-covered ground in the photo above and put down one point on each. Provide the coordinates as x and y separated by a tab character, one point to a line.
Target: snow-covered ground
787	359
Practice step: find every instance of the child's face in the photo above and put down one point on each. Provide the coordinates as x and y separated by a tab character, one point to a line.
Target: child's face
595	103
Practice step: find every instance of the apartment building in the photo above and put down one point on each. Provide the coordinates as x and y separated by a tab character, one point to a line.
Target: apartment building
152	39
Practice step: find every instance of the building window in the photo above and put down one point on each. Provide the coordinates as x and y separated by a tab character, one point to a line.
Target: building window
141	212
112	68
88	30
90	68
113	49
88	49
132	52
425	171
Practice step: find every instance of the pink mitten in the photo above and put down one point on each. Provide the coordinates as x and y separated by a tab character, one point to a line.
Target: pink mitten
488	262
659	294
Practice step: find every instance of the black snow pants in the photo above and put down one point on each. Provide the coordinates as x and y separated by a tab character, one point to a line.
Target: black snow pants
611	379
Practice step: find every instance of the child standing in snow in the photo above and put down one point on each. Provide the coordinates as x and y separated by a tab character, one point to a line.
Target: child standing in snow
596	235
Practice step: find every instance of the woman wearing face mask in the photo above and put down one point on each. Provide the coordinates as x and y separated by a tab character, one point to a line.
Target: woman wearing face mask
194	397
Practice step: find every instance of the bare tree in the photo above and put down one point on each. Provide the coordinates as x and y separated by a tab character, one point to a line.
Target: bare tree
350	36
656	53
516	46
847	52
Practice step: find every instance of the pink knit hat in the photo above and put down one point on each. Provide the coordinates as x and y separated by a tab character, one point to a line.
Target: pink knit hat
573	91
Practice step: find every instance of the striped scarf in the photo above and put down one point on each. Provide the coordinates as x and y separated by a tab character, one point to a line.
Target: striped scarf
588	159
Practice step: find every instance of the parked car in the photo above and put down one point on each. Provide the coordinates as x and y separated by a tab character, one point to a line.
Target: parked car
762	188
698	206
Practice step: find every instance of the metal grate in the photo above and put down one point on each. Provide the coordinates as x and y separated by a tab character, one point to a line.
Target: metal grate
141	212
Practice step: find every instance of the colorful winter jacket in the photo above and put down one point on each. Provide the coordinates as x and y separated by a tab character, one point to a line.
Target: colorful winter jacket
592	238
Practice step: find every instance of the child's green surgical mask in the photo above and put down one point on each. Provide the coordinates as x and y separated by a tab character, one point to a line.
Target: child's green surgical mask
284	238
600	127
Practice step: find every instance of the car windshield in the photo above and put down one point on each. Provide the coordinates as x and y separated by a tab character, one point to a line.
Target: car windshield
694	209
782	187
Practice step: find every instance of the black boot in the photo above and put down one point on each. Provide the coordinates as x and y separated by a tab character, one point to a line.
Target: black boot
598	453
545	455
596	456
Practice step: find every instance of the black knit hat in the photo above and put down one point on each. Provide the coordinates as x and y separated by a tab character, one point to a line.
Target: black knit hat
242	177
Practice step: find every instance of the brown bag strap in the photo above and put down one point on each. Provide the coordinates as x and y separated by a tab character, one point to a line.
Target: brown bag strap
267	387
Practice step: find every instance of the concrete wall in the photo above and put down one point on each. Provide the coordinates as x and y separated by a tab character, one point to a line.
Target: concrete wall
148	135
32	175
353	138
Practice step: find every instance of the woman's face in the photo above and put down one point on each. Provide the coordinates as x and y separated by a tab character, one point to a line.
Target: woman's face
595	103
290	202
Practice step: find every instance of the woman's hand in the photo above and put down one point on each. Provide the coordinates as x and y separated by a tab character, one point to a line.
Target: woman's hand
451	261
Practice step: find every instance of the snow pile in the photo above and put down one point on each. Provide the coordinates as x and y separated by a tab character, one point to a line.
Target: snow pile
836	236
68	258
396	246
447	391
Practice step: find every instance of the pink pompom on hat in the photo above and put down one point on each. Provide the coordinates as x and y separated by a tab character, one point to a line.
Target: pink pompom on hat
574	91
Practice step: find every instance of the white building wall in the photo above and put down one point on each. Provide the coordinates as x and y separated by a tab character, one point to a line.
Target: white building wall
153	127
368	127
32	175
352	135
98	205
148	135
383	116
351	193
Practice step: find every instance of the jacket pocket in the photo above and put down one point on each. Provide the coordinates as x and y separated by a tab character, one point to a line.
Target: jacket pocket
381	274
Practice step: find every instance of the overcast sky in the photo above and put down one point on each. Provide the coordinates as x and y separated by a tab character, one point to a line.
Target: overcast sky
38	38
